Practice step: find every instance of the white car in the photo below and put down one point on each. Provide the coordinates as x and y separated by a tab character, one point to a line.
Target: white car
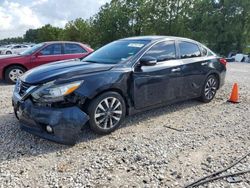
13	49
3	48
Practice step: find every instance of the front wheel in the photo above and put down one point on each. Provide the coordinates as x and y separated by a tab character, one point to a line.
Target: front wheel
8	52
13	73
210	88
106	112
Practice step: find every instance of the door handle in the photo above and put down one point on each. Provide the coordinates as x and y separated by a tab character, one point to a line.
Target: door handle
176	70
205	63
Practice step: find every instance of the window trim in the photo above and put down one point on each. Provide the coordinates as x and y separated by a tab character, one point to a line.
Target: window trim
208	51
201	49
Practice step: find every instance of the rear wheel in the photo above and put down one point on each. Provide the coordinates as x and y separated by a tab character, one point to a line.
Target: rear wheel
210	88
13	73
8	52
106	112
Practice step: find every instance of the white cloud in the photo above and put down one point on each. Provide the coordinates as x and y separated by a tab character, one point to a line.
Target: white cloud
17	16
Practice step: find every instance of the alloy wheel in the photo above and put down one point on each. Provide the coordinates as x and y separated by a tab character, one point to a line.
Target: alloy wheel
210	88
108	113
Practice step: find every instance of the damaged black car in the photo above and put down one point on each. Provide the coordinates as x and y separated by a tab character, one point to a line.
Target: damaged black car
56	101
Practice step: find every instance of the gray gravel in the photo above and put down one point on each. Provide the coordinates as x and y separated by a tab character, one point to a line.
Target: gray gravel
144	152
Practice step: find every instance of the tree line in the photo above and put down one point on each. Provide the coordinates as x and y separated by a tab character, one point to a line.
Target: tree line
222	25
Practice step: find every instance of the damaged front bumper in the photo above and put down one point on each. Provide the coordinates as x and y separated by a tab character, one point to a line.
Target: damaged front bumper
64	124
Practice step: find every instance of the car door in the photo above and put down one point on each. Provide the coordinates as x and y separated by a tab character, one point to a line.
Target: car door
153	85
15	49
194	68
48	54
72	51
23	48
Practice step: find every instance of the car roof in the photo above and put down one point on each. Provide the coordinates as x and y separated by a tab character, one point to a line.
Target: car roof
52	42
153	38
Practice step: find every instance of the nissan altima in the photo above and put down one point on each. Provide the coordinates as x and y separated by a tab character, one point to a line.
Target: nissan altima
56	101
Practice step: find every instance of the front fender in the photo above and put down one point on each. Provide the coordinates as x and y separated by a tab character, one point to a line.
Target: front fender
96	84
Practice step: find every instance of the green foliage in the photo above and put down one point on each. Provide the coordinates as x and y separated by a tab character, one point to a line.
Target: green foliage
12	40
78	30
223	25
48	33
31	35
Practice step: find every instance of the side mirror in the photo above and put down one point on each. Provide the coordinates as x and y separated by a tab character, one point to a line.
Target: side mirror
148	61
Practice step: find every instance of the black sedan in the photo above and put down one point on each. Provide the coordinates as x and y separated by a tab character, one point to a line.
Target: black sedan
56	100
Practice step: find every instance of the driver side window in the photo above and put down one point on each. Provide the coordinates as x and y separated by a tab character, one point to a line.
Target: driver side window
163	51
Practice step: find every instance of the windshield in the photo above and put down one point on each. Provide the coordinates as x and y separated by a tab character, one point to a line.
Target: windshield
32	49
116	52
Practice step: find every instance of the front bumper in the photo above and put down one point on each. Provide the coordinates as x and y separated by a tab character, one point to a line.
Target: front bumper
65	122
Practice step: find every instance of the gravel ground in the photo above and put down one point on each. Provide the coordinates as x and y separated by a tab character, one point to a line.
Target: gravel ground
144	152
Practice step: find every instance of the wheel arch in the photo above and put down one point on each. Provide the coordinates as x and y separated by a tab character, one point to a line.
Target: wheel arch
8	66
8	51
117	90
217	75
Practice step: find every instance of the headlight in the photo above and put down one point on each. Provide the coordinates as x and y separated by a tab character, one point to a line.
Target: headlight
51	92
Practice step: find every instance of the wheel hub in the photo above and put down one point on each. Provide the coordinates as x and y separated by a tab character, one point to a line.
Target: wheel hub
210	89
108	113
15	74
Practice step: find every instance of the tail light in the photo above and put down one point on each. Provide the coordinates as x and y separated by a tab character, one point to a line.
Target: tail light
223	61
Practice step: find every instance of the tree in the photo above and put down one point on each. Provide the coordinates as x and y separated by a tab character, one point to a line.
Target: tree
12	40
223	25
48	33
78	30
31	35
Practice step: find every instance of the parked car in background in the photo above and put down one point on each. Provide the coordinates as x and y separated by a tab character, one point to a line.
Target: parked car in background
14	49
12	67
124	77
238	57
4	47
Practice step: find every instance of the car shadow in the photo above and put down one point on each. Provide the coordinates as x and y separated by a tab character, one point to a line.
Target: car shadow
16	144
3	83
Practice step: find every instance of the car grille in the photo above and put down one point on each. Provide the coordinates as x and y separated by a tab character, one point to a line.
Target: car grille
23	88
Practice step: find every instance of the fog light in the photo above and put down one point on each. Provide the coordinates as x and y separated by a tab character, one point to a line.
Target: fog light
49	129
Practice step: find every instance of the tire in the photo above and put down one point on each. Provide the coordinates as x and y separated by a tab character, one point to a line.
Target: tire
105	119
8	52
209	89
12	73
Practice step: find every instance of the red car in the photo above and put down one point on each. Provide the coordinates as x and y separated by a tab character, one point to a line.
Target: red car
12	67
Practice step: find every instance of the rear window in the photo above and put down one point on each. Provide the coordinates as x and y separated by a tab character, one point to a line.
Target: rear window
73	49
203	51
189	50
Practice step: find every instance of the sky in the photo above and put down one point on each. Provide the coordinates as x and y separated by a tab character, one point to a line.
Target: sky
17	16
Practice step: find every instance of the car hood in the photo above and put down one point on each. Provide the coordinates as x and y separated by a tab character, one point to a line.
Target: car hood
62	69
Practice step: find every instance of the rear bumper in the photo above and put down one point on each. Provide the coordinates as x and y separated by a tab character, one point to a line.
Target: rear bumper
222	78
66	123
